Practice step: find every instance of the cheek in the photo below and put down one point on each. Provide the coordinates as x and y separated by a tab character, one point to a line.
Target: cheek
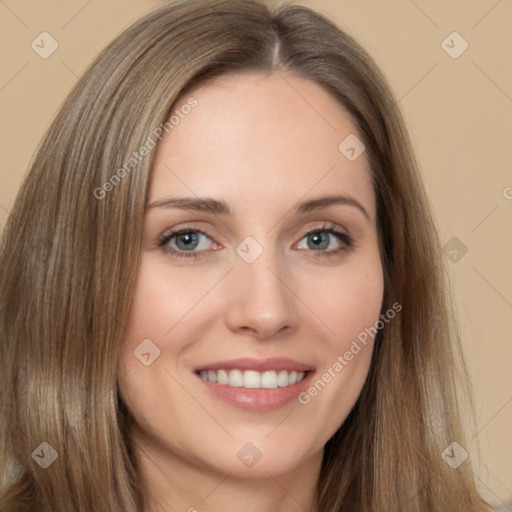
163	300
162	297
351	319
146	382
349	304
347	351
156	308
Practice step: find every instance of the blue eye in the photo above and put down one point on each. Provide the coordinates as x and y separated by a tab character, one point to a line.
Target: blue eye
187	242
319	239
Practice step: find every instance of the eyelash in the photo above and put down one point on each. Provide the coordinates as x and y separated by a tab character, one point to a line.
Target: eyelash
346	240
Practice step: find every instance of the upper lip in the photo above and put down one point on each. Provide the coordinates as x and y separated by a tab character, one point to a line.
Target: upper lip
259	365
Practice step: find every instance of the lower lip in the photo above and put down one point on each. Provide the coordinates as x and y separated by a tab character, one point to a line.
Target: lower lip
258	400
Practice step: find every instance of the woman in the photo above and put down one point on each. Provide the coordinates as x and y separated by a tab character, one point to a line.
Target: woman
222	284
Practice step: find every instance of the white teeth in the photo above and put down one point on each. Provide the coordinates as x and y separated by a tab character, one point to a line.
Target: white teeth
282	379
269	379
222	377
250	379
235	378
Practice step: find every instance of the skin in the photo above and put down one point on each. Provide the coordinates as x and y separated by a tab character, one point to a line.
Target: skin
261	143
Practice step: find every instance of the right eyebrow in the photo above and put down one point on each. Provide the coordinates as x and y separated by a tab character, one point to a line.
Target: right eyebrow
205	204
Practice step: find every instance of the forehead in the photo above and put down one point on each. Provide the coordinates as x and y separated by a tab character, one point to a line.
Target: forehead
256	139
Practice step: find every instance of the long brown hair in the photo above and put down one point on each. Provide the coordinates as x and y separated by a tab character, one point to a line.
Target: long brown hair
70	256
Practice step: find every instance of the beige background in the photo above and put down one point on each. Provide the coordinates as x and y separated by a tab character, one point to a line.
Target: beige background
459	112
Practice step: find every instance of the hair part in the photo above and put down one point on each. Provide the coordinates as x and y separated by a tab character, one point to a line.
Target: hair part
69	262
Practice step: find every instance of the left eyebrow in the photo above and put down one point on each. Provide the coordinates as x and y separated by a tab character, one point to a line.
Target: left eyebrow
210	205
325	202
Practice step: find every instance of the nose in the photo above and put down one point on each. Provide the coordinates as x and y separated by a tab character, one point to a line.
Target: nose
261	302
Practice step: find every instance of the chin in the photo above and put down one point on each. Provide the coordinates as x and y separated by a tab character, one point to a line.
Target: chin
258	455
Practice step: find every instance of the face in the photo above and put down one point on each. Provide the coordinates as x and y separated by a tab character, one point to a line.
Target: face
245	350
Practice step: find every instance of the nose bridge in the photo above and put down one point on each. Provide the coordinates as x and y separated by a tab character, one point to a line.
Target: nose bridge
260	299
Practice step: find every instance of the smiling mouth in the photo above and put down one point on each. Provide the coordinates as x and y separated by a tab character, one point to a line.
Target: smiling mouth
251	379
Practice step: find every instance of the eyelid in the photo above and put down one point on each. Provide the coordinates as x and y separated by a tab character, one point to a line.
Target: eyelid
176	231
342	234
167	235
